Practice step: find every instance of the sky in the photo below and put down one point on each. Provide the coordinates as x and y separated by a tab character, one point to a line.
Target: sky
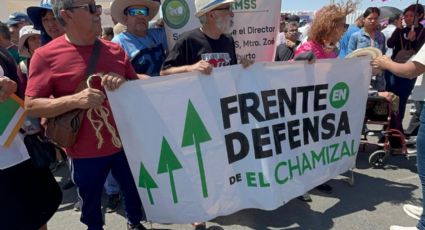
291	5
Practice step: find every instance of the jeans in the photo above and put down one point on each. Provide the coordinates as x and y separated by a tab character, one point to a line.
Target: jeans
420	146
111	185
89	174
402	87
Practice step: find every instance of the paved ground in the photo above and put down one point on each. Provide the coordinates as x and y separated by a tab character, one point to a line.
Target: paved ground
373	202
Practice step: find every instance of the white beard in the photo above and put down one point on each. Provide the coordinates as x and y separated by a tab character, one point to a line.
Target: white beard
224	24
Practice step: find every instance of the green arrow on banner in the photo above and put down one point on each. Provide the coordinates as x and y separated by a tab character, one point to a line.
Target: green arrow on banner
167	163
146	181
194	134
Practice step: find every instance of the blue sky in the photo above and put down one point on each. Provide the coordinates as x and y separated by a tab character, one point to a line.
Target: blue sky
290	5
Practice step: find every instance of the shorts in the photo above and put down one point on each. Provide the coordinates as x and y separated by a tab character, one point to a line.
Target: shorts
28	196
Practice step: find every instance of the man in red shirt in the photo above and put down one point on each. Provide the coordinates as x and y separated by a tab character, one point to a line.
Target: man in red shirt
56	71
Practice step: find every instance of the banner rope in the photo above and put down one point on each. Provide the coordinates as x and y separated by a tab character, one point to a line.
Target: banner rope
97	124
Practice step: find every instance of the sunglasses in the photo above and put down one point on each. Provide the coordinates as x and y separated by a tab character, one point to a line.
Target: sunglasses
138	11
91	7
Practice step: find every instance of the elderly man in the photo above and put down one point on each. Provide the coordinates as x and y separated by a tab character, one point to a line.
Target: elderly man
205	47
57	69
145	47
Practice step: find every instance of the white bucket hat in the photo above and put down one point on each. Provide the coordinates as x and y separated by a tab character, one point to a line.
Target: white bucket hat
118	7
205	6
24	34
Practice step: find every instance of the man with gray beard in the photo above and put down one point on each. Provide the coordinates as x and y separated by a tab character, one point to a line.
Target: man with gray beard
206	47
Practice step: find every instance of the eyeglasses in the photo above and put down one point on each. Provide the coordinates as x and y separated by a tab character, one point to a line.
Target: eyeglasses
226	9
144	11
91	7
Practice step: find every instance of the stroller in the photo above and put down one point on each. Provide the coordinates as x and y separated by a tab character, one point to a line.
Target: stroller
379	112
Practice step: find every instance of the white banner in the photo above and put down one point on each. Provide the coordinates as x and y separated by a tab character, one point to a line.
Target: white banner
255	29
206	146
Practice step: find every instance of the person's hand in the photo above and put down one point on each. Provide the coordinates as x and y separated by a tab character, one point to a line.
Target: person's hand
380	62
307	56
201	66
112	81
143	76
411	36
89	98
388	95
245	62
7	87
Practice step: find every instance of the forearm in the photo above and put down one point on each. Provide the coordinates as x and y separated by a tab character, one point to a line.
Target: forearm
174	70
408	70
49	107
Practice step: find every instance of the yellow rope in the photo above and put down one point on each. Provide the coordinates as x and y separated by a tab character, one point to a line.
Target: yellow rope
103	113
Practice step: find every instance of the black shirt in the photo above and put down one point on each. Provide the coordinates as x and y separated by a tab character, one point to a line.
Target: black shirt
8	65
284	53
194	46
394	41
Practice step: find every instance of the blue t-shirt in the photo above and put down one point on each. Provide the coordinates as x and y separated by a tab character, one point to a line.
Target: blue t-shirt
146	53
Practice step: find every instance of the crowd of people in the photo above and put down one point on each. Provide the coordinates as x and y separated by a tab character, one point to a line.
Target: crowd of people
48	54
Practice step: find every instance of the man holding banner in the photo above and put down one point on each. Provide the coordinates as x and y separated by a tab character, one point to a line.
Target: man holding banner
58	70
203	48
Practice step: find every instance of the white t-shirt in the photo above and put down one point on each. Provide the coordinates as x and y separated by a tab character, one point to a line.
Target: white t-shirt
15	154
418	93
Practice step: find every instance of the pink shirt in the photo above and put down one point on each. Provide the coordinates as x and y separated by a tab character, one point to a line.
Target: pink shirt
316	48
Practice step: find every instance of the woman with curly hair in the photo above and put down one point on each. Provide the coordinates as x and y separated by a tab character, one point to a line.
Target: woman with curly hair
326	29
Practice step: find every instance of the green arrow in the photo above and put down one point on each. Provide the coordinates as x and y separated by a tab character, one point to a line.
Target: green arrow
146	181
167	163
195	133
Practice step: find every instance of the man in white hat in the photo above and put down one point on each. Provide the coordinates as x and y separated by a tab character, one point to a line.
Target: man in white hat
56	72
145	47
209	46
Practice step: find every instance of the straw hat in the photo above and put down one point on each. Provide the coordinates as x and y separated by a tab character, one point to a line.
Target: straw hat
24	34
118	7
205	6
35	11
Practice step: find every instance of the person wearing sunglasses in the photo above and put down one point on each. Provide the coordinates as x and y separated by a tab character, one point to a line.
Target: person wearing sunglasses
145	47
57	71
206	47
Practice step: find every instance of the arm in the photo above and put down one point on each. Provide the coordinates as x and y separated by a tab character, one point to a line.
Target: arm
410	69
51	107
201	66
7	87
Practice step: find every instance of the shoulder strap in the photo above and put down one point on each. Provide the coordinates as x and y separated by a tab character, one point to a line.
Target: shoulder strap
91	67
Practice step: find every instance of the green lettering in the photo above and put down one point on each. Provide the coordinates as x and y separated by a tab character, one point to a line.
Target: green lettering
276	173
263	182
295	167
306	163
353	150
334	148
316	158
345	150
250	179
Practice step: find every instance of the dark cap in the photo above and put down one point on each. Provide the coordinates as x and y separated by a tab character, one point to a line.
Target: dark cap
16	18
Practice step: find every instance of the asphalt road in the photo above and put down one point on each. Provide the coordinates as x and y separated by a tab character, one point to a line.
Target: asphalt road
373	202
